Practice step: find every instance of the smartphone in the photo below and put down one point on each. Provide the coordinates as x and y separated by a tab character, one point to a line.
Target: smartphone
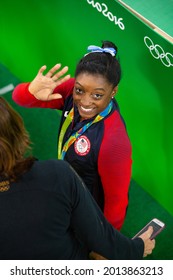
157	225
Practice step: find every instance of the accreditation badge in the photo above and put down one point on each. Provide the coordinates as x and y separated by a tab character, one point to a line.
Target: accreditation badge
82	146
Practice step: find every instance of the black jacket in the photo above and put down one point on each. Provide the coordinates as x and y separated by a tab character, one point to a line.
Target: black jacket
50	214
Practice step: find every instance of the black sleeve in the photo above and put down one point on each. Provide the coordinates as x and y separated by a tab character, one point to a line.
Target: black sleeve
94	230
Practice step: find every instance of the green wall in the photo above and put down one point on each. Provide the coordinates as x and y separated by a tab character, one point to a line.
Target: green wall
159	12
35	33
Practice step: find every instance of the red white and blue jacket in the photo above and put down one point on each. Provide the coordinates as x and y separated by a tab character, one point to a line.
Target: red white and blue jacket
101	155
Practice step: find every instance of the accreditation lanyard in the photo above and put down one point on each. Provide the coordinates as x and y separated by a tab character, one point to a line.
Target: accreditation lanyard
75	135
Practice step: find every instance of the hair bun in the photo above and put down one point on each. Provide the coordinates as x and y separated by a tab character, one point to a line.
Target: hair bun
108	44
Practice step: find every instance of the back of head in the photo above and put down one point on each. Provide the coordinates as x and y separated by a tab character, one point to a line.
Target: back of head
101	61
14	140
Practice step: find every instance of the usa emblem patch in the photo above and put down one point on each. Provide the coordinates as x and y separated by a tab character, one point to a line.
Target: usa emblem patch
82	145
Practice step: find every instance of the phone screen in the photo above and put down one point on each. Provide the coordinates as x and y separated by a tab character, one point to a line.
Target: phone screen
156	229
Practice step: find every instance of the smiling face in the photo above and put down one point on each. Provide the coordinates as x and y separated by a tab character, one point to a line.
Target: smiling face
92	94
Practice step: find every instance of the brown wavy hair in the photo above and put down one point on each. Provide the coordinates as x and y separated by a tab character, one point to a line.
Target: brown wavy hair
15	146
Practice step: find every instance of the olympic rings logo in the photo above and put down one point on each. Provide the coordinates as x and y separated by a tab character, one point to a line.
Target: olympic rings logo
158	53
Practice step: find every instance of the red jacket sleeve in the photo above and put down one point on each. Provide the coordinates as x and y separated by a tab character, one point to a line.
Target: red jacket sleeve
114	166
23	97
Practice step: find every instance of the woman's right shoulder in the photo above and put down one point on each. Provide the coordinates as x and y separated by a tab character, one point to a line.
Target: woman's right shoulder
48	174
51	165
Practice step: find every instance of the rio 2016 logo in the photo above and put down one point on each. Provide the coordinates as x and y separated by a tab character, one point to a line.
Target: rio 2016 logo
158	53
103	8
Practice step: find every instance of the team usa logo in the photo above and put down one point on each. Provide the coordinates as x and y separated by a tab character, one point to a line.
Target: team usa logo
82	146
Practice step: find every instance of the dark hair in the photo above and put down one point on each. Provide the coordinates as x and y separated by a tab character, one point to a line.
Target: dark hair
14	143
101	63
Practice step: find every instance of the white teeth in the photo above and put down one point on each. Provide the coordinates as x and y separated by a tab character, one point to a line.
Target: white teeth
86	110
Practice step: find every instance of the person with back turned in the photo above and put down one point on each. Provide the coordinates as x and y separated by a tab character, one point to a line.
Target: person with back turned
46	211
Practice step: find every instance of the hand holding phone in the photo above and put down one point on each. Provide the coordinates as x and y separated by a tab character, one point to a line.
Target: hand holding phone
157	225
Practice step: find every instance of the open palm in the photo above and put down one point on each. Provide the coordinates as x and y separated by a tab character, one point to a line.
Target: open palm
42	86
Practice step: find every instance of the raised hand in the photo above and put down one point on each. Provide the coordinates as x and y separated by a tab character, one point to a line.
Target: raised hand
43	85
